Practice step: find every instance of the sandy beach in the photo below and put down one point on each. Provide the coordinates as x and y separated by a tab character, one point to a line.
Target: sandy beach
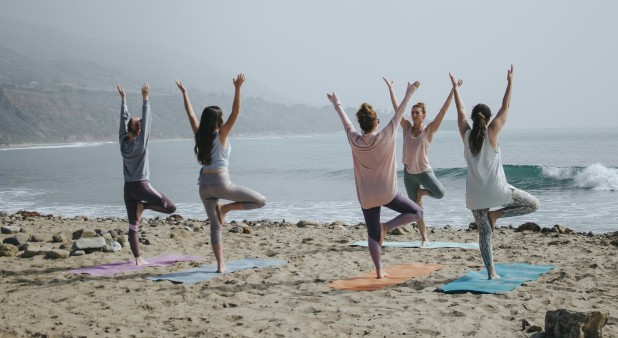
39	299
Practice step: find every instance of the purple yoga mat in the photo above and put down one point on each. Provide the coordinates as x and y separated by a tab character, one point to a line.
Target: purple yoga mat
125	266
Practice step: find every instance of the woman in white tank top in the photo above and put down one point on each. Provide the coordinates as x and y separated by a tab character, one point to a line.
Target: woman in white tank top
418	176
486	185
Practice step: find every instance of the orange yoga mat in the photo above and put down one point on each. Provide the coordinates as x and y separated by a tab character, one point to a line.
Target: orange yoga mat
397	274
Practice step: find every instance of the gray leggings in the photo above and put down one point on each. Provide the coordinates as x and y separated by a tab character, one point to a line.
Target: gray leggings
425	180
218	186
523	203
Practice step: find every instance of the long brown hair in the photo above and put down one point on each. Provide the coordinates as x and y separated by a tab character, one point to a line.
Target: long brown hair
366	117
210	122
480	118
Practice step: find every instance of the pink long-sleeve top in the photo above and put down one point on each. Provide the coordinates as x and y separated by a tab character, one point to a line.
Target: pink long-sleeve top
373	154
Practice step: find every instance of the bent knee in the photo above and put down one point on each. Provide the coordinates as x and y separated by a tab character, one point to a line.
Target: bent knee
420	213
438	194
535	205
261	202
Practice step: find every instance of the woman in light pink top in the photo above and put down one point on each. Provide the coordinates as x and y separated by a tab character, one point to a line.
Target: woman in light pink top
418	177
375	172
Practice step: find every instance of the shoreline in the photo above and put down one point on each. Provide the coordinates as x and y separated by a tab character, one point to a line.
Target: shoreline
295	299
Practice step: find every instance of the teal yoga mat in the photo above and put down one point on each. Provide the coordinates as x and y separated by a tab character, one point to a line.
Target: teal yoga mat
208	272
417	244
512	275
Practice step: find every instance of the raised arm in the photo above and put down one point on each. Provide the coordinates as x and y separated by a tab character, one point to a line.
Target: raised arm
188	108
347	124
124	115
146	119
412	87
391	91
494	128
226	129
434	125
462	121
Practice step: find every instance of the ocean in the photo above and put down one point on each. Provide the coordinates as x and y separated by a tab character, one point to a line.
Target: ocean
573	172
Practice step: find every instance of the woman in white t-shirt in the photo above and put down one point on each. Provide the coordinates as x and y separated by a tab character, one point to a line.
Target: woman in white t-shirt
486	185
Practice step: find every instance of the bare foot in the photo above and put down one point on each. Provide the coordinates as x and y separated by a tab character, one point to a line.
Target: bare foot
425	242
493	216
140	211
494	276
419	196
220	214
381	274
221	268
140	261
383	231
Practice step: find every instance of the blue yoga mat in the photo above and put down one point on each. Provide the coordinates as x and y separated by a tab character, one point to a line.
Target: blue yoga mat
417	244
208	272
512	275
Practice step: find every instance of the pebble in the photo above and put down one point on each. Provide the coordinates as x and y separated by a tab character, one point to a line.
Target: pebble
10	229
8	250
18	240
57	254
89	243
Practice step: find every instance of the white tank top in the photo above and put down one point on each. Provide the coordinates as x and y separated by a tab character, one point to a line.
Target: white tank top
415	151
486	185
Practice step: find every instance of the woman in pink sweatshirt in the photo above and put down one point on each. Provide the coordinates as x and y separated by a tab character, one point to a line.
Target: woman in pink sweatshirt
375	172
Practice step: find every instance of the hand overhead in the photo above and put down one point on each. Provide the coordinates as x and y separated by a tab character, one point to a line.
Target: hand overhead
239	80
180	86
333	98
121	92
145	90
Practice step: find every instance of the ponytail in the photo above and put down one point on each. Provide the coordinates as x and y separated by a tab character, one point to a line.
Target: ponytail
480	118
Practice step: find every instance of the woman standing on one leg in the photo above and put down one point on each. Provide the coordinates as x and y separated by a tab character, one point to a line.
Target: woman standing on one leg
138	193
418	176
375	172
486	185
213	150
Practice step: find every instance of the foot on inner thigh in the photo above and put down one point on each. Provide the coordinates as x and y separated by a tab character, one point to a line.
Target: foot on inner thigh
140	210
419	196
493	216
220	214
383	231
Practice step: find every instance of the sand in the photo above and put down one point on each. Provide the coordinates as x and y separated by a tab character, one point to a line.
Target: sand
294	300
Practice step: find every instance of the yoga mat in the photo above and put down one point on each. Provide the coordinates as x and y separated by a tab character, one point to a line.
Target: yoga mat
417	244
512	275
126	266
397	274
207	272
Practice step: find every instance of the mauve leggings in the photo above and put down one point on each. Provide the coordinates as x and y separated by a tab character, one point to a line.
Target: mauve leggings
409	212
142	191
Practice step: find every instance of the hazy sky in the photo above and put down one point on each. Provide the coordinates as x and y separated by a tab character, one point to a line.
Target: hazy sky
564	51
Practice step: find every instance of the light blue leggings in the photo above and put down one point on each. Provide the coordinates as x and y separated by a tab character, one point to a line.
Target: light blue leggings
218	186
523	204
